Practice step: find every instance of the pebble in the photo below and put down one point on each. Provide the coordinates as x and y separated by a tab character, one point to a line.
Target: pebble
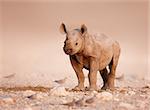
131	92
93	93
123	91
28	93
59	91
90	100
7	100
37	96
104	96
147	86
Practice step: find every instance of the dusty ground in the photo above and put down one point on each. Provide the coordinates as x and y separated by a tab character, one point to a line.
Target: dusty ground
129	95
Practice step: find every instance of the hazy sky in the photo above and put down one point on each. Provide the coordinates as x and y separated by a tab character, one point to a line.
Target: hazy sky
149	41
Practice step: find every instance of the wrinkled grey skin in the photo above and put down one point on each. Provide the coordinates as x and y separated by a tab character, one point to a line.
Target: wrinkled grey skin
93	53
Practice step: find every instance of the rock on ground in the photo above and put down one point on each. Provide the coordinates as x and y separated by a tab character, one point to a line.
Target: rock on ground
59	91
105	96
59	98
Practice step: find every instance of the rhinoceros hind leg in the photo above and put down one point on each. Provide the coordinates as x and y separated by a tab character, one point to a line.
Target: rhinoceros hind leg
104	75
112	66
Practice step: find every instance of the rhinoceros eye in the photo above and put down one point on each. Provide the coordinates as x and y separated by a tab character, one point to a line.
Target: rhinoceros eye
76	43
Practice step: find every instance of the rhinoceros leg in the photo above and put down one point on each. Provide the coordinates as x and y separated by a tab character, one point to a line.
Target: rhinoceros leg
93	74
112	66
78	70
111	75
104	75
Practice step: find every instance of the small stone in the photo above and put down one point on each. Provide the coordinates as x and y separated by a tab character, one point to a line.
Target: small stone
141	95
126	106
7	100
123	91
90	100
72	103
131	93
80	102
59	91
64	101
61	81
93	93
32	96
28	93
104	96
147	86
36	96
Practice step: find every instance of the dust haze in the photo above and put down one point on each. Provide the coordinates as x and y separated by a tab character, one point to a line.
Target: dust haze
31	44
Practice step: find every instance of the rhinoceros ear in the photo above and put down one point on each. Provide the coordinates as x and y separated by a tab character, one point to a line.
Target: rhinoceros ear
83	29
62	28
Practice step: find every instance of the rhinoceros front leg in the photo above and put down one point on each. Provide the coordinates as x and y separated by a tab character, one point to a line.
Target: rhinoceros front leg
79	73
93	74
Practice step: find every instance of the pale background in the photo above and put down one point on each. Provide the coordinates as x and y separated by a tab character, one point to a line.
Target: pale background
149	41
31	45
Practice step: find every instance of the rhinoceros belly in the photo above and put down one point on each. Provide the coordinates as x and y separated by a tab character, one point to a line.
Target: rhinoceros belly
105	58
86	63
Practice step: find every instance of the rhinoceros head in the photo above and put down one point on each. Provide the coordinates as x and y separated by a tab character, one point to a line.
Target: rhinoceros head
74	39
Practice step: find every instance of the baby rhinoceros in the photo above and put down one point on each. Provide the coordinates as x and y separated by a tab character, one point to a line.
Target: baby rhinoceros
93	53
